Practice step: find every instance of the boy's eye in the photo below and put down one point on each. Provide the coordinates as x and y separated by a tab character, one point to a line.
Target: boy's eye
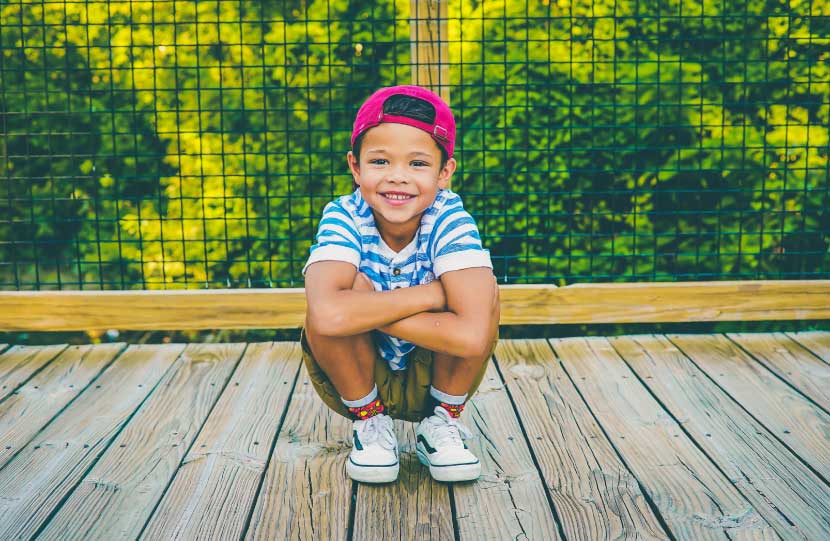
419	163
378	161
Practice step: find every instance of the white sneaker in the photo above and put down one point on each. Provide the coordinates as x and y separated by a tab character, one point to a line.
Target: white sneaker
374	455
440	446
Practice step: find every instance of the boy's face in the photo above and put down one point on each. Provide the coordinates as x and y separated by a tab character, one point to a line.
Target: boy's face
399	175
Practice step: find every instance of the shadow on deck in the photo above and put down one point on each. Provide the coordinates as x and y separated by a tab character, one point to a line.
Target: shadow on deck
678	436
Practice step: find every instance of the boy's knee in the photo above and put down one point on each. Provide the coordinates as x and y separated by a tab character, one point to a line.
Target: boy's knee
481	347
310	331
472	359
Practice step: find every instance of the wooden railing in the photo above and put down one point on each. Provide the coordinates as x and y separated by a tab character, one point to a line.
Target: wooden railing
520	305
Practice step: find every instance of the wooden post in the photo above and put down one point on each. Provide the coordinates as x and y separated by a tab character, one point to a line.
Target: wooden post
430	46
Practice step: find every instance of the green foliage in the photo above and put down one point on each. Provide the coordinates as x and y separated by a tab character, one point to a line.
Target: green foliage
193	144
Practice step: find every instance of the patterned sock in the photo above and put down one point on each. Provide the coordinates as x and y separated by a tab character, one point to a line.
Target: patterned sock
366	407
454	404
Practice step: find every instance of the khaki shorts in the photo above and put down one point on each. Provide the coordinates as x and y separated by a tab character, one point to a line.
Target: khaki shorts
404	392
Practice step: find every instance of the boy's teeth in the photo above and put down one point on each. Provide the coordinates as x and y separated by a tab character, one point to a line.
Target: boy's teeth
397	196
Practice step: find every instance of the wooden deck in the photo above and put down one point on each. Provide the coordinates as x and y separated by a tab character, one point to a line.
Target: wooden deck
635	437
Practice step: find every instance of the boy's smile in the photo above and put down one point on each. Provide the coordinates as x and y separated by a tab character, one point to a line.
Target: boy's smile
399	175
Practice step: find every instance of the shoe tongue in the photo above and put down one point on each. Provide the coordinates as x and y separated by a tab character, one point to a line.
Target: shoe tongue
373	430
450	427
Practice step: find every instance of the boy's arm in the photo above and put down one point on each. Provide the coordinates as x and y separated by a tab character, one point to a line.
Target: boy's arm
471	322
336	308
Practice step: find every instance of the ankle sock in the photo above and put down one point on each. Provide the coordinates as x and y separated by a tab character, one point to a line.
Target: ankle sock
454	404
366	407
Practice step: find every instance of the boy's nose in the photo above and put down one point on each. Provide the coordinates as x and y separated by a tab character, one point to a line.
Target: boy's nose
396	175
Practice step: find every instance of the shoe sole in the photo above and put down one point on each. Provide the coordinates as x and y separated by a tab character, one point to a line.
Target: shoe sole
372	474
449	474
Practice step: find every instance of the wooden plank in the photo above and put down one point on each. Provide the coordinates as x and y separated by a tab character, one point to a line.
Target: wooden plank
785	492
145	310
803	426
594	494
119	493
413	507
692	495
35	481
520	305
429	44
215	487
26	411
306	494
20	362
788	360
663	302
816	341
509	500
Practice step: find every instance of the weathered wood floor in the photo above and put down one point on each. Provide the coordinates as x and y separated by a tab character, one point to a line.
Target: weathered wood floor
635	437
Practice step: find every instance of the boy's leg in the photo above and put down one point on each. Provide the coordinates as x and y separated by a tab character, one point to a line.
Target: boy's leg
455	375
452	380
348	361
349	364
440	435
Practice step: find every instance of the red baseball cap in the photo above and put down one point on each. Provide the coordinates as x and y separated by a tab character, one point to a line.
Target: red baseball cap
412	105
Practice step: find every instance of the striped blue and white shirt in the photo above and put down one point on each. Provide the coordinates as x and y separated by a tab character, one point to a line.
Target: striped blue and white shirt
446	240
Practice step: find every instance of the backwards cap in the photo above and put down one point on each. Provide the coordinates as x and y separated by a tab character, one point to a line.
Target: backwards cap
411	105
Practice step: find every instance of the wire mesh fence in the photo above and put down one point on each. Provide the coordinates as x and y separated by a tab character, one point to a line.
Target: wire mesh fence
182	144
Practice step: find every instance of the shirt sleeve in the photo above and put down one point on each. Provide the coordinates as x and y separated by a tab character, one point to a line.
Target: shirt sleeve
456	243
338	238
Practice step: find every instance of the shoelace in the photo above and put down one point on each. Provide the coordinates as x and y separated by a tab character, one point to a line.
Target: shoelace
377	429
448	429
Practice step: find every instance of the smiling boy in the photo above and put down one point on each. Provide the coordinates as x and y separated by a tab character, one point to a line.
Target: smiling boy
403	306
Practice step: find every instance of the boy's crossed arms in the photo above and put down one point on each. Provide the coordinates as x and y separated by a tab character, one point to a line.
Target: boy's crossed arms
457	315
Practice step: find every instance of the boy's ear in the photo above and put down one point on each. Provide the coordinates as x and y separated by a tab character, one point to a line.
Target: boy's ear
354	167
446	173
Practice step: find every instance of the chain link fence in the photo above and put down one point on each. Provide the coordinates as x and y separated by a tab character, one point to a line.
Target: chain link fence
181	144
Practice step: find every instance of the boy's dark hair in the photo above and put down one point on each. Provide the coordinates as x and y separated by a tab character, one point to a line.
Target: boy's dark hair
408	106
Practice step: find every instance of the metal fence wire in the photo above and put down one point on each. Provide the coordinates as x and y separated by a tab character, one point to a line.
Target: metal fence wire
183	144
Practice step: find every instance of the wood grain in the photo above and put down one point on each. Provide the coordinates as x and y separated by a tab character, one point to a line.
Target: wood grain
116	497
520	305
509	499
601	473
780	488
145	310
33	404
35	481
817	342
692	495
413	507
215	488
595	495
429	44
19	363
788	360
799	423
664	302
306	494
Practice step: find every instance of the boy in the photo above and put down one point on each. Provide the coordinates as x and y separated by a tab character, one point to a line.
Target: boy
403	306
